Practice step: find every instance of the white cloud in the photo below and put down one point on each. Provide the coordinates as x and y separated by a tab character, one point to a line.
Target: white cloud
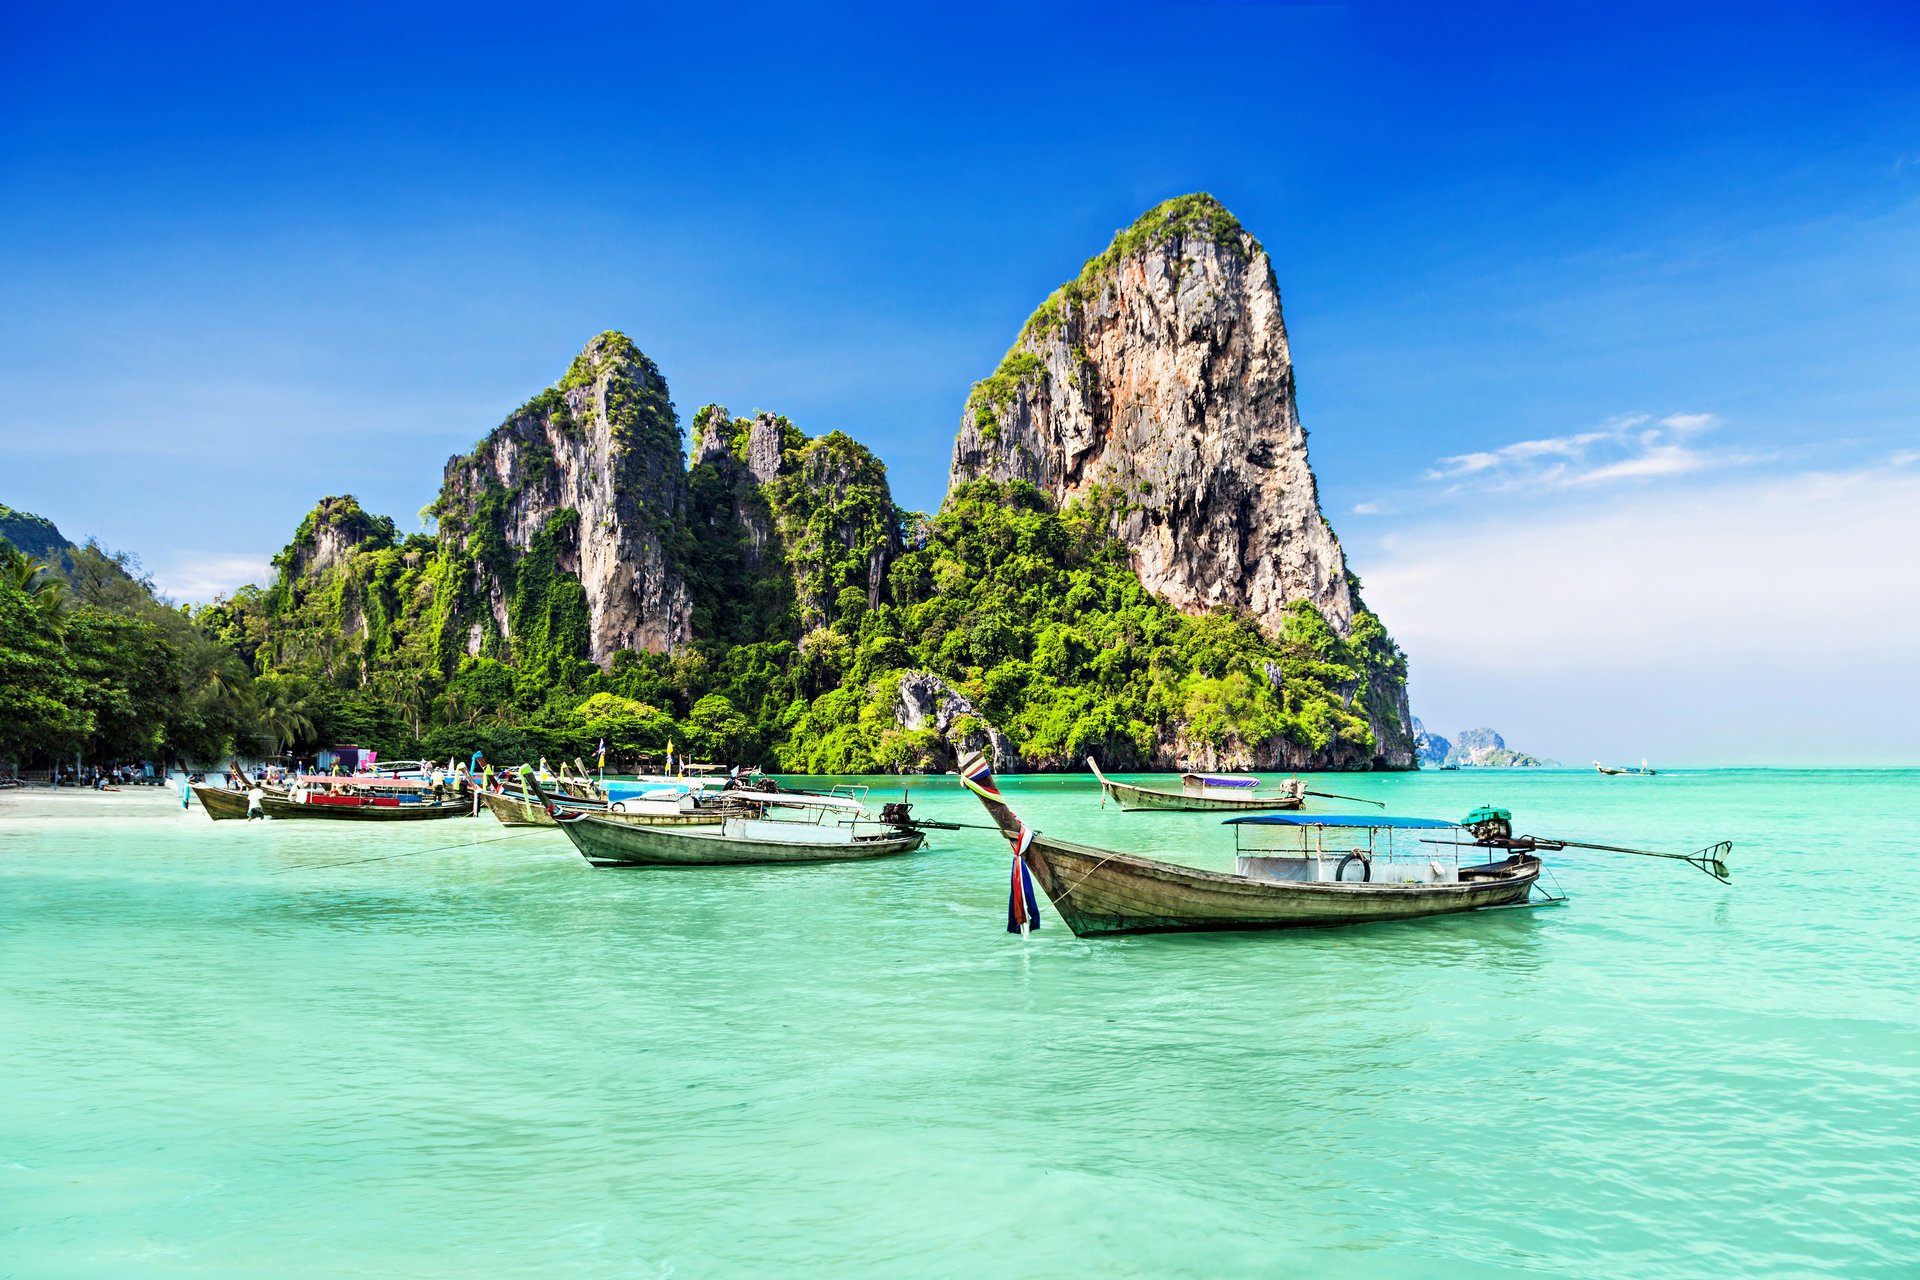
1771	619
1369	508
1655	460
198	578
1626	448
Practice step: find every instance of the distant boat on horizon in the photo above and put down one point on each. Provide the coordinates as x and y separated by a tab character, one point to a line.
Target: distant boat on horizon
1645	770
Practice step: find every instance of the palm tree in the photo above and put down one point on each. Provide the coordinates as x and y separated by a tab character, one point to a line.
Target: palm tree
457	710
283	718
226	680
46	589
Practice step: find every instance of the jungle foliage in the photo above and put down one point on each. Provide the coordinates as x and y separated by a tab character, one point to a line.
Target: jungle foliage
94	669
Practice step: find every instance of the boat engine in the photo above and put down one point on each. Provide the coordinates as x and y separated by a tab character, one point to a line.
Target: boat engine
1488	823
897	813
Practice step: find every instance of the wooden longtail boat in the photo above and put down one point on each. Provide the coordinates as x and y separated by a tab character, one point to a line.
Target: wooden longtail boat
826	829
610	841
220	803
364	808
516	809
1296	884
1615	771
1200	792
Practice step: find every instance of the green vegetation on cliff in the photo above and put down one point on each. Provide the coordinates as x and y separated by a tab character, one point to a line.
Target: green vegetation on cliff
801	641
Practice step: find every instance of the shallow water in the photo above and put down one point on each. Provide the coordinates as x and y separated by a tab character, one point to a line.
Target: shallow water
254	1049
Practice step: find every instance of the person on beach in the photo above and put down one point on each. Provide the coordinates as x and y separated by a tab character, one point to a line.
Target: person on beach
255	803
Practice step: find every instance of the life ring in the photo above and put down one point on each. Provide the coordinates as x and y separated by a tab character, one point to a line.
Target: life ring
1366	867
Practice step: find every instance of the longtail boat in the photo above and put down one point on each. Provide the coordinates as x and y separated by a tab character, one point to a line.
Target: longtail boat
519	809
221	803
362	807
1201	792
1615	771
1313	871
757	827
1291	871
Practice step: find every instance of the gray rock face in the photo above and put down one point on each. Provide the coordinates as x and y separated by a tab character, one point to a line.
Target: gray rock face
605	444
1474	749
1478	742
743	478
335	527
1429	748
1164	382
1159	386
928	702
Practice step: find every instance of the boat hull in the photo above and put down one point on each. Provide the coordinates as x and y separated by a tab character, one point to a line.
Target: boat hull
416	811
515	810
1131	798
616	840
219	802
1100	893
512	811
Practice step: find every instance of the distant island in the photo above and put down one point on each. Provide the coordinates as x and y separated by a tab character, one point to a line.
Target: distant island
1471	749
1130	563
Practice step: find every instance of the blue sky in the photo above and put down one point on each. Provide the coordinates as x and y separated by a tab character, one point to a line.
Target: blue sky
1569	288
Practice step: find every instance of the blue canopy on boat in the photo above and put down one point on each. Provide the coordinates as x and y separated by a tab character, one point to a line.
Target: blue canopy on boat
1338	820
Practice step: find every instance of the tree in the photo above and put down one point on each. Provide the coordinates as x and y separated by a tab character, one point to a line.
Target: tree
283	715
39	690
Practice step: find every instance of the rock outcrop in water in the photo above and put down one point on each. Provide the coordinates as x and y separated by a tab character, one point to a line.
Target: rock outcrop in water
1429	748
1472	749
1158	386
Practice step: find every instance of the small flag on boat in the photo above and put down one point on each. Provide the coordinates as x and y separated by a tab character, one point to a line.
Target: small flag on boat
1023	912
603	753
975	769
669	757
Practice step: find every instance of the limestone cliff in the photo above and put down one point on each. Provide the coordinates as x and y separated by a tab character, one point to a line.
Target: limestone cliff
1429	748
1484	749
590	473
335	528
786	526
1158	387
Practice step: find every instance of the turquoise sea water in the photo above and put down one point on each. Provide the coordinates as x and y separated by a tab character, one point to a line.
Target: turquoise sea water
243	1049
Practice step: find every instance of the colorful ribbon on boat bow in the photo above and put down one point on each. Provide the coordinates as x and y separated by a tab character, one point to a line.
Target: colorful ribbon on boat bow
1023	912
975	769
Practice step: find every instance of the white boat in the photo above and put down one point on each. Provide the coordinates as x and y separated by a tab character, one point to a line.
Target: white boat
759	827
